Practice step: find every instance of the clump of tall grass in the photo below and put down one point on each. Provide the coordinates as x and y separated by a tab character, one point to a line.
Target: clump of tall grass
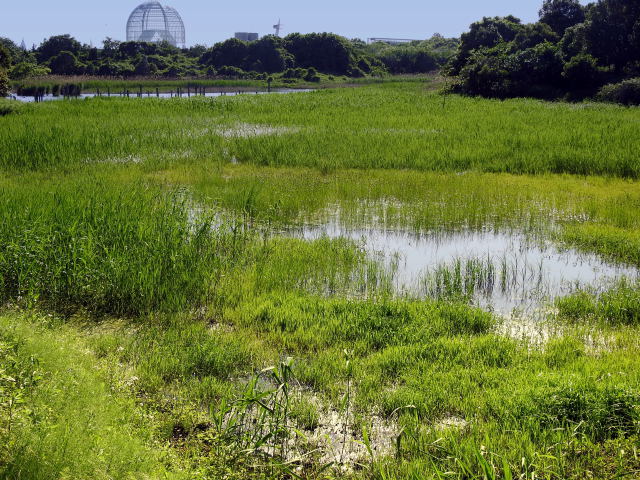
108	249
618	306
618	243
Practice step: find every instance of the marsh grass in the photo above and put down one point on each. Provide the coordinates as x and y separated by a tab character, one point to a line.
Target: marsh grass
388	126
619	305
96	223
108	249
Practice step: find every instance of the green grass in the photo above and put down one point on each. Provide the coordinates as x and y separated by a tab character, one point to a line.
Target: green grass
390	126
108	249
146	297
64	414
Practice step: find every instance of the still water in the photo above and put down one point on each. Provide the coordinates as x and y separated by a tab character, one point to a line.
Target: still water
501	271
134	94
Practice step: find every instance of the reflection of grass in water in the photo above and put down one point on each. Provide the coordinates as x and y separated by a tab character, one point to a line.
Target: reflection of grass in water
469	278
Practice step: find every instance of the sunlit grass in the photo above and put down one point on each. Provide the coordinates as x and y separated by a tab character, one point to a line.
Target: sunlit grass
144	210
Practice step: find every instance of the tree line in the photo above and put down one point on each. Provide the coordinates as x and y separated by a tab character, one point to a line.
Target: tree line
296	56
572	52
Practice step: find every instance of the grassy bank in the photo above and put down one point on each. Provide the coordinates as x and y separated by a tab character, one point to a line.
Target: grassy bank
151	261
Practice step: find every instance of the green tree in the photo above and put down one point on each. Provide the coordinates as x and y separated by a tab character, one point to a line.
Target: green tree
409	59
13	51
613	32
65	63
561	14
574	41
268	55
5	58
24	70
110	47
143	67
487	33
582	73
230	53
53	46
326	52
534	34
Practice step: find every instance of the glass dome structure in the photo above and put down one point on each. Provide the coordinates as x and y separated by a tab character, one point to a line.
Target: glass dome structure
155	23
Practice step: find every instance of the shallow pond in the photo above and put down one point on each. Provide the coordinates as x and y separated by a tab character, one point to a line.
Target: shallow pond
501	271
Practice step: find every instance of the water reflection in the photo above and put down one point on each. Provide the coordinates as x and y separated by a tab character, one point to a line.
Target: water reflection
502	271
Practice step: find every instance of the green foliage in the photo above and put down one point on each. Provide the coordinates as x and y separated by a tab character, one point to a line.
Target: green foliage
626	92
328	53
582	73
612	33
13	51
601	413
487	33
55	45
591	45
534	72
63	414
409	59
5	58
5	86
24	70
9	106
65	63
561	14
143	67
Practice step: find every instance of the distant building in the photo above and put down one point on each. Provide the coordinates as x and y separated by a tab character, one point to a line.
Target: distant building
155	23
392	41
247	36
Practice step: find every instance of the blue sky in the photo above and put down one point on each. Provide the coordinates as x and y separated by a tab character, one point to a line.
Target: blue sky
208	22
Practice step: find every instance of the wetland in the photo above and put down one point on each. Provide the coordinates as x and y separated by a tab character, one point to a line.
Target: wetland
363	283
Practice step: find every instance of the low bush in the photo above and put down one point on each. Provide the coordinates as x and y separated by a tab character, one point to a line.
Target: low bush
625	93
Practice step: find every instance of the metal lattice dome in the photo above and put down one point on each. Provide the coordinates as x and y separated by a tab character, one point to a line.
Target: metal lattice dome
155	23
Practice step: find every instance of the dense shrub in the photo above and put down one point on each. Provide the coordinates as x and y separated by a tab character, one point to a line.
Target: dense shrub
626	92
24	70
583	73
326	52
571	52
496	73
4	83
